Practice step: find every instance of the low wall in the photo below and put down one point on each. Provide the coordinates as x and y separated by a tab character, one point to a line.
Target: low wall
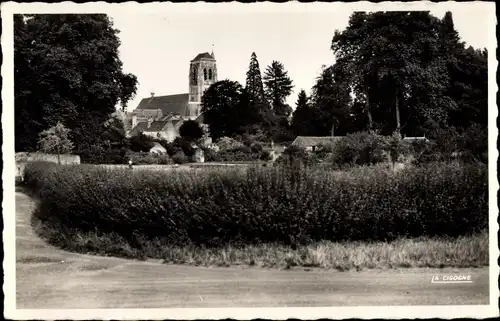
23	158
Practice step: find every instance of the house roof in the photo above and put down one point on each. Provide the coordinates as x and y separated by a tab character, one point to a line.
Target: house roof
142	126
307	141
171	104
138	128
204	55
158	146
156	126
200	119
177	123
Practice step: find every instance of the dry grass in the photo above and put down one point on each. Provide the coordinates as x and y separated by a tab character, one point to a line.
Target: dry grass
462	252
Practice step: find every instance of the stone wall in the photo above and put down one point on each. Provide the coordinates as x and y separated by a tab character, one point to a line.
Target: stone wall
23	158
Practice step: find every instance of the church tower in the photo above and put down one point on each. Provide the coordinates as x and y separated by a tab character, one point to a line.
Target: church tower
202	74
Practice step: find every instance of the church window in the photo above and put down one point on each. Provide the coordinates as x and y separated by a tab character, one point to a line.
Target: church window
205	73
210	75
193	75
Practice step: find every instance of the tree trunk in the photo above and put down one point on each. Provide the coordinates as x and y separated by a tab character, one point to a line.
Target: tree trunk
58	158
368	111
398	120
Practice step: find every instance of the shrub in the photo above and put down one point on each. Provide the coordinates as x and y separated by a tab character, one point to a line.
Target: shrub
265	155
141	143
256	148
284	205
180	145
211	155
180	158
149	159
240	153
396	148
360	149
227	143
296	157
324	151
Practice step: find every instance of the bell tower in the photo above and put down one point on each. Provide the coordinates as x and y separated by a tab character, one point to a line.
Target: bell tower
202	74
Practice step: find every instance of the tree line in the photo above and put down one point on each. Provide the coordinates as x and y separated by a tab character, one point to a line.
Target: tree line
393	72
258	109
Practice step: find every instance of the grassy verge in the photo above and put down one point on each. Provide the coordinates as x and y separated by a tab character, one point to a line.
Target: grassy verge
461	252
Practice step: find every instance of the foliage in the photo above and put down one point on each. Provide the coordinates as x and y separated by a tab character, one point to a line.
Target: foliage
226	143
256	205
180	157
395	147
303	116
148	159
141	143
67	69
254	86
278	86
360	148
191	131
55	140
114	135
331	105
223	104
296	157
256	112
410	73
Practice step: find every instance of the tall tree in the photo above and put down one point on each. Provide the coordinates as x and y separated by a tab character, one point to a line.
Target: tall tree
257	114
331	103
67	69
278	86
254	86
222	105
468	72
302	119
398	54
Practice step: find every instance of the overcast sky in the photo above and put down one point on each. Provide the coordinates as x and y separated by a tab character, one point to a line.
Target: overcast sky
157	47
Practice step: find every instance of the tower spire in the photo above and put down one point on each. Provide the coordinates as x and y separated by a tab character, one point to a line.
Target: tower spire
213	56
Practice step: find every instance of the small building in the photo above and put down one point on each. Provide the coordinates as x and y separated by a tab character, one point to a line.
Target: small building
158	149
167	128
311	143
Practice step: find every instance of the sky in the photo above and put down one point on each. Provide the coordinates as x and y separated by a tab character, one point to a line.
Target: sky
158	46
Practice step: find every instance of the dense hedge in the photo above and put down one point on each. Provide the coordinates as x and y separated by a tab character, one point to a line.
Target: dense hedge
280	204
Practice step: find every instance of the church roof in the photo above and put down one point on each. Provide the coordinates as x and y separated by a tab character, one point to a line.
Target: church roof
171	104
204	55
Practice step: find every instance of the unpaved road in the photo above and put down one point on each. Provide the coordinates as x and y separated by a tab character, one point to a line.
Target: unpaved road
49	278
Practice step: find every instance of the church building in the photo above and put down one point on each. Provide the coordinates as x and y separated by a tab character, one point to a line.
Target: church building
162	116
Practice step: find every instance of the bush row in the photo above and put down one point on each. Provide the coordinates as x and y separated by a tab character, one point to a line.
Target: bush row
289	206
363	148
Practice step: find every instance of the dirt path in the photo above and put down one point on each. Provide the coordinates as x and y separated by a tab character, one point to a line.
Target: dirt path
51	278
